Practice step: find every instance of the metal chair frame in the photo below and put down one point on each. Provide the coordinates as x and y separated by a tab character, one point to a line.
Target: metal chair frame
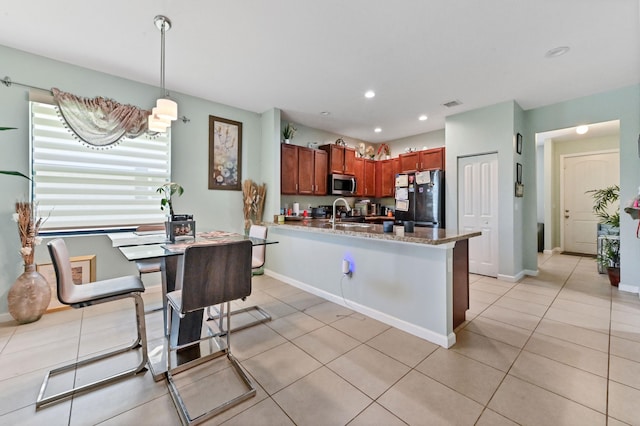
139	342
224	346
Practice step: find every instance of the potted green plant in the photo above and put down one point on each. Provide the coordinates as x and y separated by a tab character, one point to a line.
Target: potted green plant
607	208
168	190
609	258
288	131
604	201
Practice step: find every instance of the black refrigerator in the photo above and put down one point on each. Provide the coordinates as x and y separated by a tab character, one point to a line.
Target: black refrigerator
420	198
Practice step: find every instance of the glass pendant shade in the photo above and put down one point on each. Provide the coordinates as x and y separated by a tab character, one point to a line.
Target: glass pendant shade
156	125
165	121
166	109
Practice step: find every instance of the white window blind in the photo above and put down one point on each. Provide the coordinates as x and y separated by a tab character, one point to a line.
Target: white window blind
80	187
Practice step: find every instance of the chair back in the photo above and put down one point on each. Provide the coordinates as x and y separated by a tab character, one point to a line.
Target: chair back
215	273
259	252
62	266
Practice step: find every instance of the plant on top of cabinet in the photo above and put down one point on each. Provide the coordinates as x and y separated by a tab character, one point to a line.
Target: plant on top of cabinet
288	132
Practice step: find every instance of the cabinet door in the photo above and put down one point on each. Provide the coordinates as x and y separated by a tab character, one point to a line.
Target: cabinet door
396	169
369	178
358	165
409	162
305	171
432	159
289	169
379	178
349	161
320	172
336	159
387	178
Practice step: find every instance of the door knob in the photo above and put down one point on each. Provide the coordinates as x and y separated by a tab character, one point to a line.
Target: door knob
566	216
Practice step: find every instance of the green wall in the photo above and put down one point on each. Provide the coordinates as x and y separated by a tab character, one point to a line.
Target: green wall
212	209
492	130
622	104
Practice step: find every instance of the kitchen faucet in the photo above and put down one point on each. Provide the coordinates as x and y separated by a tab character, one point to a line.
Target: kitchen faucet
333	217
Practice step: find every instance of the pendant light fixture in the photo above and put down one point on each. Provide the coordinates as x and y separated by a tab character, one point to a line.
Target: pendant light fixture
165	110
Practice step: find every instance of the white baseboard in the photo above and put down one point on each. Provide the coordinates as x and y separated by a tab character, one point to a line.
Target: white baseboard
629	288
511	278
554	250
531	273
6	317
423	333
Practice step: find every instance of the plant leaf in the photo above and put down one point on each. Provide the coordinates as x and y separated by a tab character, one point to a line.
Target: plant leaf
4	172
8	128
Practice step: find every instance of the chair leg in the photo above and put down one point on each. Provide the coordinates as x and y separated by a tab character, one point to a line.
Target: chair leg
265	317
140	342
185	417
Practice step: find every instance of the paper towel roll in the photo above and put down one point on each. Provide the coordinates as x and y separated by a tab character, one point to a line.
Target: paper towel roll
296	209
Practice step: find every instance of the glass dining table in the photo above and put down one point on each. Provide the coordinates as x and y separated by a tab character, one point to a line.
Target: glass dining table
188	329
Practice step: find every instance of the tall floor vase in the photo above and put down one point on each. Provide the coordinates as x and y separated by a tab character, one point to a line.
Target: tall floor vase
29	296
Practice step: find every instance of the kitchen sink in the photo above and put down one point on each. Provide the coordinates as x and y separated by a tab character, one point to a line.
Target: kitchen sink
352	225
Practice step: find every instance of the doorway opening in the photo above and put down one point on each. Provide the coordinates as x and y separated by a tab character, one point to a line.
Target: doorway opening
568	164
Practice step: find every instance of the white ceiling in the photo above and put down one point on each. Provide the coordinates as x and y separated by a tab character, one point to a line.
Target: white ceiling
306	57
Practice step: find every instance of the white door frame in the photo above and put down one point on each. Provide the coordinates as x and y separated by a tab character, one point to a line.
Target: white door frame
562	183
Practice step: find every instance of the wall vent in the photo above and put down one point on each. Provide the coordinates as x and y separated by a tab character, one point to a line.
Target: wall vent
452	104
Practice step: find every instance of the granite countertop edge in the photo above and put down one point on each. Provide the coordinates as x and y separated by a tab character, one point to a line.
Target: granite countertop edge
427	236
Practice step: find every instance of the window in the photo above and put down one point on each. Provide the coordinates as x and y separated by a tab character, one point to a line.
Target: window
80	187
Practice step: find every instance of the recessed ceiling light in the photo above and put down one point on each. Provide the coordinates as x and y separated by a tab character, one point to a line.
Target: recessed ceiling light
325	113
377	130
581	130
557	51
369	94
422	117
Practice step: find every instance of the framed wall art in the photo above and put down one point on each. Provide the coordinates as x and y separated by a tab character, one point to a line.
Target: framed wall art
519	143
225	154
83	270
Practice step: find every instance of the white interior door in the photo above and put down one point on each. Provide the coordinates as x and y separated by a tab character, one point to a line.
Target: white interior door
581	174
478	210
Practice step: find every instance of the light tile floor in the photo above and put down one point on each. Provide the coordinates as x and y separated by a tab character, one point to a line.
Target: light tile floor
562	348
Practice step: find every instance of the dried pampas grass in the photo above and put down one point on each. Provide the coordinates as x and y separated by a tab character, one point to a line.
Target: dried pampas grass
253	202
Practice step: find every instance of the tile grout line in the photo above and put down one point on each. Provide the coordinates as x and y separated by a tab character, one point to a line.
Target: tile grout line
522	349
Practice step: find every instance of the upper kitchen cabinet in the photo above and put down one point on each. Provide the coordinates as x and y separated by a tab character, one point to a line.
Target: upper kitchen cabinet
341	159
429	159
386	177
312	171
365	172
369	178
303	170
289	169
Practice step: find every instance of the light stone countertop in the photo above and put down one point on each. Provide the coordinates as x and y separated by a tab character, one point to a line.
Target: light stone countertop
428	236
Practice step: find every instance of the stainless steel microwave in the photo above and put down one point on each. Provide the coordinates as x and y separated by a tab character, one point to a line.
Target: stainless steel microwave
342	185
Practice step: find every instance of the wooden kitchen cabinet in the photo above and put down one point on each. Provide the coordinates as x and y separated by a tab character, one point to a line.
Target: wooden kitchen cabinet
341	159
369	178
358	166
429	159
304	171
365	173
288	169
385	178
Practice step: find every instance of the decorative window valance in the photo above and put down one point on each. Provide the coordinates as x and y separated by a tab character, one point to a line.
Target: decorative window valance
100	122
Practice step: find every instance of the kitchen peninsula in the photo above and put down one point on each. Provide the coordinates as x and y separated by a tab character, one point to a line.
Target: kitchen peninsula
418	282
